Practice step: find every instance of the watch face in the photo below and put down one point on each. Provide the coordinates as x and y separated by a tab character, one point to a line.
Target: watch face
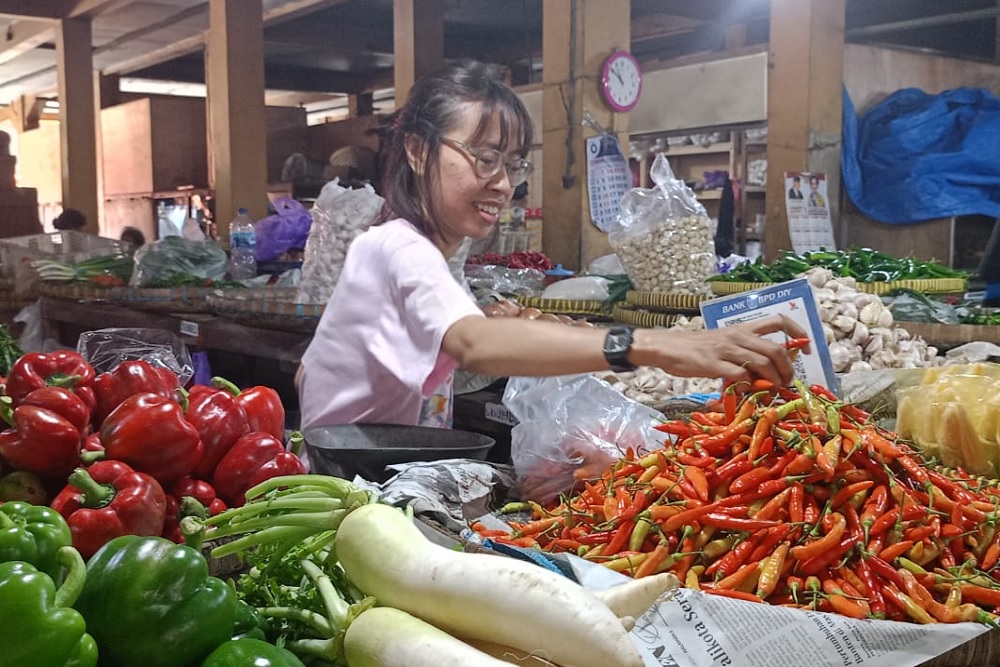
621	81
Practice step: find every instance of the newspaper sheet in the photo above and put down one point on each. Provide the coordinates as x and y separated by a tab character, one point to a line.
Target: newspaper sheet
695	629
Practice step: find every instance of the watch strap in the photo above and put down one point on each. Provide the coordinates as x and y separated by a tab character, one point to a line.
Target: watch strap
617	345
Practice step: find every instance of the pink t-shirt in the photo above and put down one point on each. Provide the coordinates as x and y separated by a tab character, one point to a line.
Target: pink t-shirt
377	351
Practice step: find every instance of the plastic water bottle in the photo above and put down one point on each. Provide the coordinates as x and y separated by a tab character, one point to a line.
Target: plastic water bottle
242	247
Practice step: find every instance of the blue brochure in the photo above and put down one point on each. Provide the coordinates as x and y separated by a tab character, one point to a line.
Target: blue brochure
795	300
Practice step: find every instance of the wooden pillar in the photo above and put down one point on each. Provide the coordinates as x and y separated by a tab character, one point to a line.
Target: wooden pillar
362	104
418	42
577	35
804	88
78	120
237	116
108	88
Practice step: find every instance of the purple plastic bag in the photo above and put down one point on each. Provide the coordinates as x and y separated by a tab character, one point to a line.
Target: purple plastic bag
283	231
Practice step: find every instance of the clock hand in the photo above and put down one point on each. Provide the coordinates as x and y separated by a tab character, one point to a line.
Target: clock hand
618	76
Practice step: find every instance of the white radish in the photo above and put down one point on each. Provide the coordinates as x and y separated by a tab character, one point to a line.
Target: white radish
387	637
635	597
511	655
479	596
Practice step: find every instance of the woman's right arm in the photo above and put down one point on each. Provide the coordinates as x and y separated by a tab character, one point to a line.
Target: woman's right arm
512	346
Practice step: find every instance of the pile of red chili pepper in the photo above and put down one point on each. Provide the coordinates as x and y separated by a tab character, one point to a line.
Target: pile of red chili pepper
128	452
791	498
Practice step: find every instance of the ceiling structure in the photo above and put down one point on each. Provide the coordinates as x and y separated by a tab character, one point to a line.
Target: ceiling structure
319	51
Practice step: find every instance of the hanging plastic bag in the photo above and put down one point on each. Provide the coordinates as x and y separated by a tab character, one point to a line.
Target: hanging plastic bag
286	230
175	260
338	215
571	428
663	236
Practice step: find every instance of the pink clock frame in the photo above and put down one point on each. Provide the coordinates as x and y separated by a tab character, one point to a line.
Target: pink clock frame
606	74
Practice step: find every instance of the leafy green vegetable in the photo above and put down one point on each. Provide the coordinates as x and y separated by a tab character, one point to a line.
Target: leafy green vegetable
862	264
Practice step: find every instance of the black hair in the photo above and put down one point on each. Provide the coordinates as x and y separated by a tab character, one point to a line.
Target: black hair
134	236
70	218
433	108
796	179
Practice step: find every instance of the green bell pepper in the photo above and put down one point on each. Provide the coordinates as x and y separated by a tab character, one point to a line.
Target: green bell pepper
37	626
151	602
33	534
245	652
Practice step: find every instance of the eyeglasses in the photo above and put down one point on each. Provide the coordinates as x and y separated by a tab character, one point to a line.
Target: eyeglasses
489	161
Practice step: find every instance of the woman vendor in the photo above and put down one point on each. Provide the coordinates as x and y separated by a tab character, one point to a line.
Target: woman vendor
398	324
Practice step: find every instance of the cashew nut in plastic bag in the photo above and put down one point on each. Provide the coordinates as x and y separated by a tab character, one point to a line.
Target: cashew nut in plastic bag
663	236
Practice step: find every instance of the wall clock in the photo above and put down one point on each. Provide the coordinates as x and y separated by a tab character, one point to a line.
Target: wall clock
621	81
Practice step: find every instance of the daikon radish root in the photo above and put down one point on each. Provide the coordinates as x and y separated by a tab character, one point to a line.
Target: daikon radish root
635	597
479	596
387	637
511	655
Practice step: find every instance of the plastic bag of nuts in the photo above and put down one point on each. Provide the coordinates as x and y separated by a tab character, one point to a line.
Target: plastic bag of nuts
663	236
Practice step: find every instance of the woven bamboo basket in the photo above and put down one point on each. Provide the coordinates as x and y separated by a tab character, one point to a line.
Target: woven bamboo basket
640	317
77	291
564	306
662	302
268	307
927	286
165	299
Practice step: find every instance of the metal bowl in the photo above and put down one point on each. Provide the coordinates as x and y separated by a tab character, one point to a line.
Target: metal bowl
366	449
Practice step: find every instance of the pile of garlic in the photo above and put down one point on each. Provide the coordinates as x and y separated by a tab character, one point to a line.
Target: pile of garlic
649	385
859	328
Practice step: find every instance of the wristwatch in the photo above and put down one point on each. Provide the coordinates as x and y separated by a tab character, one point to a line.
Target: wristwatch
617	345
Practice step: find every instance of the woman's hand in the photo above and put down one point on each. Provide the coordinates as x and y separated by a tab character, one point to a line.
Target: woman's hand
737	353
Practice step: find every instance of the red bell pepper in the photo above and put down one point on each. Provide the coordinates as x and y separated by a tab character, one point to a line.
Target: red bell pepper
265	413
149	433
127	379
220	420
107	500
45	438
56	369
64	403
189	497
254	458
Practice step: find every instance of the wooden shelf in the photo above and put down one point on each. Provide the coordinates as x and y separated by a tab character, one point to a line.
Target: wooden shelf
755	189
709	194
721	147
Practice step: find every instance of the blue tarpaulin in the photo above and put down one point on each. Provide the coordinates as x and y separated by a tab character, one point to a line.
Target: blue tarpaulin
916	156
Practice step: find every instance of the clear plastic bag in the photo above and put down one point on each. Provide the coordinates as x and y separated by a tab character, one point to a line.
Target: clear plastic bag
663	236
571	428
500	279
338	215
163	262
106	348
286	230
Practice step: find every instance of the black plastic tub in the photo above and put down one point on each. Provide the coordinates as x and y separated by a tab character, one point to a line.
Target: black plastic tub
366	449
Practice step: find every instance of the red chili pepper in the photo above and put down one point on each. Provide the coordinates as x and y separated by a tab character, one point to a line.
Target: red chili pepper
726	522
619	539
720	443
796	343
825	543
749	480
773	537
128	378
735	558
149	433
265	413
885	570
875	599
698	480
823	561
56	369
107	500
254	458
796	504
220	420
847	492
43	439
736	595
678	428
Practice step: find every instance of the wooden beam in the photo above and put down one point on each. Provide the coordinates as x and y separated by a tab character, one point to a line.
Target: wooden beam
93	8
78	119
804	86
194	43
237	117
418	41
51	10
26	112
577	37
23	36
